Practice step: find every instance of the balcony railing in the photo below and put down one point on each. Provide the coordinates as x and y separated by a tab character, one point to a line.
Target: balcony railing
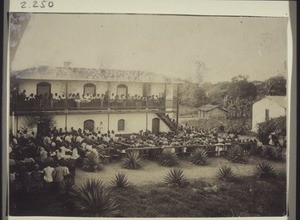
94	104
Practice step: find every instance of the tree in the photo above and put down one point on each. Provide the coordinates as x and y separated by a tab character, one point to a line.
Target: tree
240	96
276	86
200	97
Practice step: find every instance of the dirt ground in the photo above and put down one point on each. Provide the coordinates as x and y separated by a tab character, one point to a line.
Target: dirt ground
151	172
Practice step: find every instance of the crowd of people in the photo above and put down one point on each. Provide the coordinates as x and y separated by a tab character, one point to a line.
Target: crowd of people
47	160
20	100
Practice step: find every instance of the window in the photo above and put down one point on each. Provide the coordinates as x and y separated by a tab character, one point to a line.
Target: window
89	88
43	88
89	125
146	89
267	115
121	125
122	90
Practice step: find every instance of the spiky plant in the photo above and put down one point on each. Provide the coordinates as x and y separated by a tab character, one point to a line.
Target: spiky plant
175	177
236	154
93	199
131	161
67	185
199	157
120	181
168	158
92	163
264	171
269	153
226	173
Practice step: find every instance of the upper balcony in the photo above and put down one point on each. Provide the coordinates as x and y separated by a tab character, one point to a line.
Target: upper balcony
36	105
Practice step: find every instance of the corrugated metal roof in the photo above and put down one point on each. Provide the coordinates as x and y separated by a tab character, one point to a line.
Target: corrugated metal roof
91	74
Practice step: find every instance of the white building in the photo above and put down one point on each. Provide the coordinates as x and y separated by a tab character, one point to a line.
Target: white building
267	108
123	101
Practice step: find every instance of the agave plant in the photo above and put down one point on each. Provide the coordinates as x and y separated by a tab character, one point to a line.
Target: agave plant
264	171
131	161
269	153
92	163
67	185
199	156
226	173
175	177
93	199
168	158
236	154
120	181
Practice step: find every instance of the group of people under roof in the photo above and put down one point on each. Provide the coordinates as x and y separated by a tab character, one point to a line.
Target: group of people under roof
21	100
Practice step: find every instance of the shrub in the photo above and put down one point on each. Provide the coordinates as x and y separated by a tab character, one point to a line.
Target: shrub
236	154
269	153
131	161
175	177
67	185
264	171
199	157
270	126
168	158
226	173
93	199
92	163
120	181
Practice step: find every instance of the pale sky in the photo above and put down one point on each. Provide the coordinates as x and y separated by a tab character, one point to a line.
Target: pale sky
170	45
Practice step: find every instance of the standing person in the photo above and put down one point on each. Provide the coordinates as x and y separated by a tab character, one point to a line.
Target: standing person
59	172
48	177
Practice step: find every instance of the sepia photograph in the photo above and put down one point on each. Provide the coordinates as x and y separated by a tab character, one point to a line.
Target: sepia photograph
147	115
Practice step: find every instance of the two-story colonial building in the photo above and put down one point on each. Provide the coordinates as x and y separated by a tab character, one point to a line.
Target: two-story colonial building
95	99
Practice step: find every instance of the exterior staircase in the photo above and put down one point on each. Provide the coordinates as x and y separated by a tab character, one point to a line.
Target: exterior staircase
167	121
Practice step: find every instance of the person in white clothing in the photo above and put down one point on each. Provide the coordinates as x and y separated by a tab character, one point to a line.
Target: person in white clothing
48	172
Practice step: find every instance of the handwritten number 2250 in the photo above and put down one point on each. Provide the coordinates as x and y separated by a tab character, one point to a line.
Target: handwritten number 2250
35	4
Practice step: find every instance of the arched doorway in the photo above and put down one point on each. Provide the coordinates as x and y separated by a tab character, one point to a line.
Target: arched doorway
89	88
155	125
43	88
89	125
122	90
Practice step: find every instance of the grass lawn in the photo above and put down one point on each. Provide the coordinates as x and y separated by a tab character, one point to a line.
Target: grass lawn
148	196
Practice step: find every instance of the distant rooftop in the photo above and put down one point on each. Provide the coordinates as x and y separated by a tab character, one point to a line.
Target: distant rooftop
91	74
280	100
210	107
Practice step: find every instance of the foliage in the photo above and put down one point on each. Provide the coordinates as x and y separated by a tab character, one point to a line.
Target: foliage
67	185
93	199
120	181
259	198
226	173
264	171
269	153
175	177
92	163
276	86
131	161
236	154
168	158
199	156
277	125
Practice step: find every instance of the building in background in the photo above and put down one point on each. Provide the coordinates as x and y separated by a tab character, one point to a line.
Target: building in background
212	111
95	99
267	108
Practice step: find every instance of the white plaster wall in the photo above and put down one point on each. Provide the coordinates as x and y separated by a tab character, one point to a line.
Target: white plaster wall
258	111
157	88
133	122
78	86
31	86
133	88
